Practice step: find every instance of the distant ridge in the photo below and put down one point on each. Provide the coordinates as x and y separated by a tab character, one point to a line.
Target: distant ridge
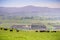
29	11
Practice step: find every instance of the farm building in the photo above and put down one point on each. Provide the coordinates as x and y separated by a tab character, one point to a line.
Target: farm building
38	27
30	27
21	27
56	27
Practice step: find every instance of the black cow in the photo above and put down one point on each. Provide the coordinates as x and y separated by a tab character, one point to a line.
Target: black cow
1	28
47	31
36	31
42	31
5	29
11	30
53	31
17	30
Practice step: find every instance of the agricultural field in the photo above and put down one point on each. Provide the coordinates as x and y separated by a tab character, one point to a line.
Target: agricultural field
28	35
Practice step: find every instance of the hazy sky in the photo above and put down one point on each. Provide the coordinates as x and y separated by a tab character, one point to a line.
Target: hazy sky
21	3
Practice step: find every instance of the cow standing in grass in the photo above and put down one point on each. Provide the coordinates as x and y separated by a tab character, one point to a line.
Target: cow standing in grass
1	28
5	29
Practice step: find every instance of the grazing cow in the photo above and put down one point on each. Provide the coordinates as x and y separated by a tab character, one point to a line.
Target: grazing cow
47	31
5	29
11	30
17	30
36	31
53	31
42	31
1	28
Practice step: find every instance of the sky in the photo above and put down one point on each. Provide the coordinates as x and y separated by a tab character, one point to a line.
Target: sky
21	3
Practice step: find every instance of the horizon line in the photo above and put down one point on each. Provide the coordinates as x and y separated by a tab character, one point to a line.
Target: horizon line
26	6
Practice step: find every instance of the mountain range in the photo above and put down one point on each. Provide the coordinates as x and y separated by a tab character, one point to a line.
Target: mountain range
29	11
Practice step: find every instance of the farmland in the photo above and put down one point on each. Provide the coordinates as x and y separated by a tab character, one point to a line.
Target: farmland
28	35
7	21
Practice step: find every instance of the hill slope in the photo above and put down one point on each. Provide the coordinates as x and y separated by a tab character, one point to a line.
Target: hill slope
29	11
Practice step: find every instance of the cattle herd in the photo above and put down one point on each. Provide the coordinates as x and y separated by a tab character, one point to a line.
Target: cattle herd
11	30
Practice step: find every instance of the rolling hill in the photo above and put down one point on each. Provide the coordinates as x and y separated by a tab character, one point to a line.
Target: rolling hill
29	11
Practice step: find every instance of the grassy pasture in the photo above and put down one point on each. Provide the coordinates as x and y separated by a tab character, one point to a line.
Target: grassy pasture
28	35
